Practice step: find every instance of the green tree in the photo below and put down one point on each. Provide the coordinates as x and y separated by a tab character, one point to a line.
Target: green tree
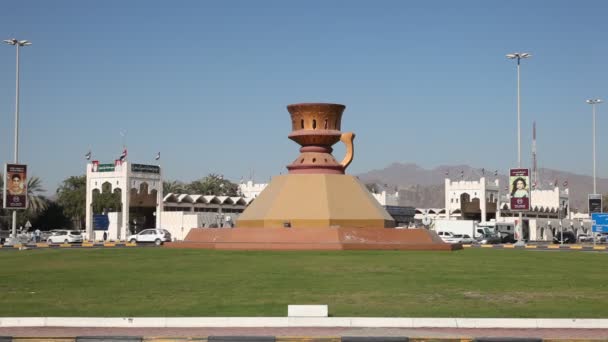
71	196
213	184
107	200
175	187
53	217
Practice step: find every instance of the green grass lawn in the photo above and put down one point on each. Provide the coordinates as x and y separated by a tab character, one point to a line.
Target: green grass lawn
173	282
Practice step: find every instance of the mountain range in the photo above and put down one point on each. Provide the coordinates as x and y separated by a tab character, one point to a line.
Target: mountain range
424	188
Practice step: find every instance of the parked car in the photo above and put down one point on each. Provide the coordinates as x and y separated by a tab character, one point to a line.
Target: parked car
64	236
507	238
157	236
569	237
585	238
490	240
466	239
601	238
448	237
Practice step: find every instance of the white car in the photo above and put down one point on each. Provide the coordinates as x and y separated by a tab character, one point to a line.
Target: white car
158	236
448	237
64	236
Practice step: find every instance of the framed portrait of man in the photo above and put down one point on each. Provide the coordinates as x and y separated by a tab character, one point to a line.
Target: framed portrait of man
15	186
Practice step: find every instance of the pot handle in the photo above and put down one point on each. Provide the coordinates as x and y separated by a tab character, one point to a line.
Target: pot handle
347	139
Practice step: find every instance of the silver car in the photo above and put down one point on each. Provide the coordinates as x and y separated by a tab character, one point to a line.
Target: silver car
157	235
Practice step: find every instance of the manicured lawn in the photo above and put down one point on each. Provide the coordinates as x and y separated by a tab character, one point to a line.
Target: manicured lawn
172	282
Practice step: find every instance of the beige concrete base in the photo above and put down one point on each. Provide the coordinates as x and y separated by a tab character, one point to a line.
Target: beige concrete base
315	201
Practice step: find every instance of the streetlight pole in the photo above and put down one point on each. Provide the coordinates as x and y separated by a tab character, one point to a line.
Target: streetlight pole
519	56
594	102
17	44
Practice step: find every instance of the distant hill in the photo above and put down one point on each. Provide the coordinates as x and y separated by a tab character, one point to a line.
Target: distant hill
424	188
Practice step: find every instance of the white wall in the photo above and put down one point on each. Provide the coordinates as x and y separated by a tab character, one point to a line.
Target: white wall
179	223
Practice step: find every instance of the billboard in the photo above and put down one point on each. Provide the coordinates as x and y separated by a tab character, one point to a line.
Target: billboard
145	168
600	222
595	203
15	186
519	189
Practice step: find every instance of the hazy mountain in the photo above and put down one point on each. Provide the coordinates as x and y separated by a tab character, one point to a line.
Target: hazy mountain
424	188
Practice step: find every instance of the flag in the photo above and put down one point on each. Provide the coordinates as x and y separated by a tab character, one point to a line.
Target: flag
157	156
123	156
88	155
565	184
483	171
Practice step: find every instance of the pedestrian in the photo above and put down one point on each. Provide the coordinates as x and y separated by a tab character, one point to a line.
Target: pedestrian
105	236
37	235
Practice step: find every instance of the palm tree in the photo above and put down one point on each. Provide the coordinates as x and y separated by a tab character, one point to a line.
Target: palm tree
175	187
36	201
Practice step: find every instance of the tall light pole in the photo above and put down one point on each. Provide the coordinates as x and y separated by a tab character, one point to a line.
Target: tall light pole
594	102
17	44
519	56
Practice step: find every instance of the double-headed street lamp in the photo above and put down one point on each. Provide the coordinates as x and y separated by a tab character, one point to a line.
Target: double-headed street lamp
17	43
594	102
519	56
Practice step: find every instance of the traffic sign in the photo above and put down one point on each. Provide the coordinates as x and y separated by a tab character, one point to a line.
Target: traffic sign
600	222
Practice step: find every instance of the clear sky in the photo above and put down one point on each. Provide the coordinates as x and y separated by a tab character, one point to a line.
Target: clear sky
206	82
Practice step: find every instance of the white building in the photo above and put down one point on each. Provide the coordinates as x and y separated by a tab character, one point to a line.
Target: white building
250	189
384	198
482	201
475	200
183	212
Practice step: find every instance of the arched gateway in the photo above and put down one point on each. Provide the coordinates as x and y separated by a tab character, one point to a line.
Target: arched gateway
141	196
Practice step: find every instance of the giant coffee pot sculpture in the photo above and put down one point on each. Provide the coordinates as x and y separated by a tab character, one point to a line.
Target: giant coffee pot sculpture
316	127
316	193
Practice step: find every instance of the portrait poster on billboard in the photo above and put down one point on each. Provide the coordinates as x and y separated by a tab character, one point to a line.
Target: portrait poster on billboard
15	186
519	189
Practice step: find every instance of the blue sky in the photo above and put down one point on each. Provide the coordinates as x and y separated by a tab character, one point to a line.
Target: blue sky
206	82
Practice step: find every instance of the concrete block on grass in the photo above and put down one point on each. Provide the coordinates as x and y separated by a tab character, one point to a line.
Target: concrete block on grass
307	311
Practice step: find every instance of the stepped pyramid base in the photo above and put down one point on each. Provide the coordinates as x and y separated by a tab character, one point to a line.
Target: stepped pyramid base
313	239
315	201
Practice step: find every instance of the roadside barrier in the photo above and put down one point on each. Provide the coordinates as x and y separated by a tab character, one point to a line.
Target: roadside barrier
545	247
